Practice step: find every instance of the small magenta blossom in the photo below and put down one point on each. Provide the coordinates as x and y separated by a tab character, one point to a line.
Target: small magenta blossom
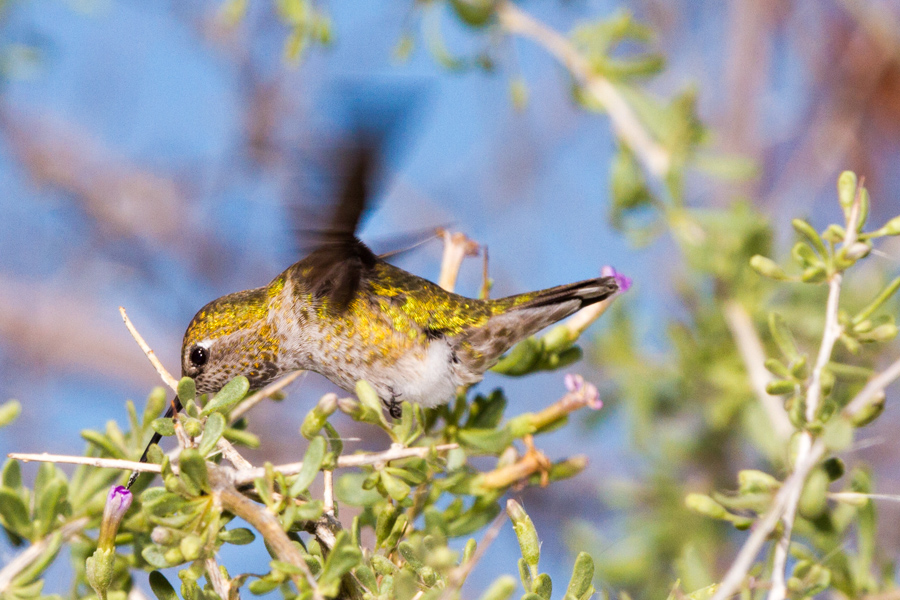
118	501
623	281
589	393
99	566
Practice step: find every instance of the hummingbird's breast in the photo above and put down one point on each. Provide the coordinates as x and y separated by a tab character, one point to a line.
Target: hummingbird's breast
397	333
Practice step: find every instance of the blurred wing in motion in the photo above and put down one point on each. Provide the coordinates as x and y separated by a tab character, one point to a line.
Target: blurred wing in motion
338	260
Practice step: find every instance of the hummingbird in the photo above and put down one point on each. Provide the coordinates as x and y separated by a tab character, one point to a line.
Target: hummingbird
346	313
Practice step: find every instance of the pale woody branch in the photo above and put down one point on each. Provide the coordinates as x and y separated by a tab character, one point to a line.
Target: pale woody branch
625	123
809	450
30	554
241	476
163	373
456	247
751	350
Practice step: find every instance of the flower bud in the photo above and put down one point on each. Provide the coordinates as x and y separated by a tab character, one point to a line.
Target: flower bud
349	406
858	250
527	534
99	566
767	267
892	227
623	281
118	501
703	504
846	187
162	536
751	481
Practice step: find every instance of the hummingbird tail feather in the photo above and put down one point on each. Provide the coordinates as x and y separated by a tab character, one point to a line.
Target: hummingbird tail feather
585	292
529	314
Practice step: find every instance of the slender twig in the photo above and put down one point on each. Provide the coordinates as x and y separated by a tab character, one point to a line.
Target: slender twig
241	476
763	528
270	528
33	552
91	461
215	578
257	397
231	453
459	574
328	493
854	496
625	122
833	330
873	389
456	247
353	460
751	350
809	450
830	336
163	373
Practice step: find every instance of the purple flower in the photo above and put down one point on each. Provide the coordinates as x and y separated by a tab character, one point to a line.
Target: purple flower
588	392
623	281
118	501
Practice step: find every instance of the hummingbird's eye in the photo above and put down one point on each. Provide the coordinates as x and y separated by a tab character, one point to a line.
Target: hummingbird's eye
199	356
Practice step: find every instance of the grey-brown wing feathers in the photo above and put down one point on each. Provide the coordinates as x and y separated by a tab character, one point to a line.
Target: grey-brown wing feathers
481	347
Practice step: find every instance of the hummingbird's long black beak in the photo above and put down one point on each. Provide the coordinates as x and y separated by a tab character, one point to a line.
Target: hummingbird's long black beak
174	407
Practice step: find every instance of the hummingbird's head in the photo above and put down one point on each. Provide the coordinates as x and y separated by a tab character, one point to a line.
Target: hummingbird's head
228	337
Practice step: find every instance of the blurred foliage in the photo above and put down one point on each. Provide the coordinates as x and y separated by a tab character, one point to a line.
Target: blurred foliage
407	509
714	449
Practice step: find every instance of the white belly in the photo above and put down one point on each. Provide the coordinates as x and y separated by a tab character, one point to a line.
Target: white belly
425	379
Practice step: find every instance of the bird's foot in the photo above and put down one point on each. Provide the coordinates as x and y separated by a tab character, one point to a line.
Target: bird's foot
394	408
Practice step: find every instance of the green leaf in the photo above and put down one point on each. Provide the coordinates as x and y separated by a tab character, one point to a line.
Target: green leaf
343	557
846	187
806	230
212	433
525	573
193	471
768	268
239	436
543	586
9	411
156	401
161	587
37	567
155	557
14	513
492	441
526	534
348	489
49	504
501	589
476	13
397	489
813	498
103	443
239	536
164	426
158	501
582	576
312	462
186	390
781	333
12	475
521	359
226	398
